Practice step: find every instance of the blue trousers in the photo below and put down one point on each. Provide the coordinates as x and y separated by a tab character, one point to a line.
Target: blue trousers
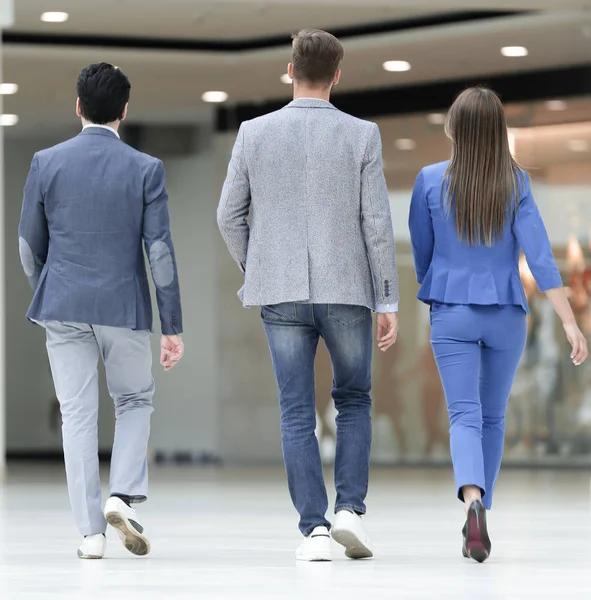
477	350
293	331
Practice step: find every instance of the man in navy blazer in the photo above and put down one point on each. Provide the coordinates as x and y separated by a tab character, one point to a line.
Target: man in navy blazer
91	205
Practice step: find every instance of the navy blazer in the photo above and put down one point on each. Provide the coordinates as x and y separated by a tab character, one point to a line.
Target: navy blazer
452	272
89	204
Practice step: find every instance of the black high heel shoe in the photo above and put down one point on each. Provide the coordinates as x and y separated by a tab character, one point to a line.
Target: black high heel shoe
477	544
465	540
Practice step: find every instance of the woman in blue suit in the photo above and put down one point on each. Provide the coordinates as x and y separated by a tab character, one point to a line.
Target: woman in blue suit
469	218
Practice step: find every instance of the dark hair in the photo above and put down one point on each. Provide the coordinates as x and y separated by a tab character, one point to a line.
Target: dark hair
482	177
316	56
103	91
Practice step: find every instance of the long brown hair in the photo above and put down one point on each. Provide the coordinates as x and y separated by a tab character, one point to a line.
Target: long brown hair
482	177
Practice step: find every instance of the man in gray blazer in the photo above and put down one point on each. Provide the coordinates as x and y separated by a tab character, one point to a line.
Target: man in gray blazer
90	204
318	256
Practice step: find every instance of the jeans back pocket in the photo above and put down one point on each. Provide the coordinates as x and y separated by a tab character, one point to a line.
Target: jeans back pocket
279	313
347	314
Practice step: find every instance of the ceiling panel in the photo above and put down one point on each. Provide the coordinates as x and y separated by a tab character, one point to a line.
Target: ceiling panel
211	20
242	19
167	86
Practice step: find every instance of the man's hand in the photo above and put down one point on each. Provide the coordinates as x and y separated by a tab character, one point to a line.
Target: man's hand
387	330
171	351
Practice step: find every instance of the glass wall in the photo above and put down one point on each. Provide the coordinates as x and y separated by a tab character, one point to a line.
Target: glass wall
237	418
549	418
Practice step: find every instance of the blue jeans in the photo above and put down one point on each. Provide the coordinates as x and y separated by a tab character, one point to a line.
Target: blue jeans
477	350
293	331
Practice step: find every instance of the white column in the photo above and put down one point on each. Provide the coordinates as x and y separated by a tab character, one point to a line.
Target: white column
6	19
3	284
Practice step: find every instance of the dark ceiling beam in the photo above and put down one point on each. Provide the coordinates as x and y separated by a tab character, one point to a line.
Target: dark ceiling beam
186	45
431	97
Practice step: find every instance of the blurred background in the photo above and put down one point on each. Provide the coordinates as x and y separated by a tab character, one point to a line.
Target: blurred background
198	69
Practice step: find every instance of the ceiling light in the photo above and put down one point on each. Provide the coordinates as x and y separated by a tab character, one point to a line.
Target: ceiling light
286	79
578	145
556	105
55	17
397	66
7	89
214	97
405	144
8	120
514	51
436	118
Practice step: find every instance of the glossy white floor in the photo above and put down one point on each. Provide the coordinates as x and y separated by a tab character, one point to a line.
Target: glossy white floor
231	534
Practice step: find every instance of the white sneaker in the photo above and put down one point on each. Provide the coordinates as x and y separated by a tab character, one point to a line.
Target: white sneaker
124	520
348	531
316	547
93	547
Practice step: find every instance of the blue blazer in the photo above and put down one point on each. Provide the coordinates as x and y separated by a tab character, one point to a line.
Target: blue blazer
452	272
88	206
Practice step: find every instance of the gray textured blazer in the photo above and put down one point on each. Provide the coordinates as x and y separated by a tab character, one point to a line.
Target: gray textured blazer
310	177
88	206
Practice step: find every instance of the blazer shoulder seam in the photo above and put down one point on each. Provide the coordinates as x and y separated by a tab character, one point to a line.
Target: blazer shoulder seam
372	127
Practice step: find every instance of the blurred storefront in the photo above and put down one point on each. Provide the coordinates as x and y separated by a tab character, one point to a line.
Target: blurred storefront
223	400
549	417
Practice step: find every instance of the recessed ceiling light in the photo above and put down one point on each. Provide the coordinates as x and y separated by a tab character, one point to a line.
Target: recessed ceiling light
436	118
397	66
7	89
578	145
285	78
405	144
8	120
55	17
556	105
214	97
514	51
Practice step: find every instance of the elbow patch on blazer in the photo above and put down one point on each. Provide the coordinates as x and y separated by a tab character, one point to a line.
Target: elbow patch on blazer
27	257
161	264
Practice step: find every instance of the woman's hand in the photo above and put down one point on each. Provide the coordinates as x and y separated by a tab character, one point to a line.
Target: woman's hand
576	339
578	342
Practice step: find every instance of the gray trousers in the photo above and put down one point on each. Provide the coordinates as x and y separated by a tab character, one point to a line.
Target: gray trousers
74	350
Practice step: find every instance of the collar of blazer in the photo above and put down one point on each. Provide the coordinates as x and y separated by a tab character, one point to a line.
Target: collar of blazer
100	130
310	103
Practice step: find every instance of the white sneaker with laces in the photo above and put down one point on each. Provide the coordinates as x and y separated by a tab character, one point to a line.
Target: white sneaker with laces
93	547
348	531
316	547
124	519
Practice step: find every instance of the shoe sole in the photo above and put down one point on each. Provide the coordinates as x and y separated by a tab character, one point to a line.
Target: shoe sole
477	540
354	547
320	557
132	539
88	556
